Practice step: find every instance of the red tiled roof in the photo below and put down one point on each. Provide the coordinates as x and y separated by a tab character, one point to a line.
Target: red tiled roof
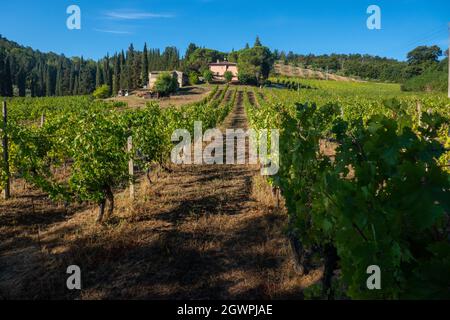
224	63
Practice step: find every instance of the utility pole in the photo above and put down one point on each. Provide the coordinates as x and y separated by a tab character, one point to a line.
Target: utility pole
7	189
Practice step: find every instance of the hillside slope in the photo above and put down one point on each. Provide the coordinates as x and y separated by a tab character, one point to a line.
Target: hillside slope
292	71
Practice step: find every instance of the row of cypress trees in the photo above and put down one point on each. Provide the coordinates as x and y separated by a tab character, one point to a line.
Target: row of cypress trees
24	71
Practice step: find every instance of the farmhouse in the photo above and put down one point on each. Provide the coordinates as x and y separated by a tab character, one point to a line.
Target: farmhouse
219	68
180	76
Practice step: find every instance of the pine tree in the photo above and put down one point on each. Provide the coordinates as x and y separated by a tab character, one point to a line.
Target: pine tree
258	42
190	50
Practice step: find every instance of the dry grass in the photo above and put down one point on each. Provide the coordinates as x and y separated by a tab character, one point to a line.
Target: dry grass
292	71
185	96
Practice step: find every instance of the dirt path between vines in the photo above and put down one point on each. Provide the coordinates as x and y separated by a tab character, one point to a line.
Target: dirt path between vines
199	232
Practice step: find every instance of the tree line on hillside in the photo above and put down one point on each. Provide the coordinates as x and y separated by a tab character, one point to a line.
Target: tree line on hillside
350	65
419	61
24	71
28	72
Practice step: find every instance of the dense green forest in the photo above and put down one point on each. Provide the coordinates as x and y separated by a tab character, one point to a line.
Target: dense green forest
27	72
255	63
24	71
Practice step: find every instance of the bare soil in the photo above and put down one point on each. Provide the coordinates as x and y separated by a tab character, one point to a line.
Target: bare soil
186	95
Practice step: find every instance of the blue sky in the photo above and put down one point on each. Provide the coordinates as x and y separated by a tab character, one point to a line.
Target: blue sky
303	26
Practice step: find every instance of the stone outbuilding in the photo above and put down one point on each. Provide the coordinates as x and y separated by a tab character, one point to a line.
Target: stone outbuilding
180	76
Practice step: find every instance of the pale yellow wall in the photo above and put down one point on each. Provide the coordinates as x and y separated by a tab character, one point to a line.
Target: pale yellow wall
220	70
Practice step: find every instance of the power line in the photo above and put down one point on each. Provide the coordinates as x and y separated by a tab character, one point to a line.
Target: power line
426	37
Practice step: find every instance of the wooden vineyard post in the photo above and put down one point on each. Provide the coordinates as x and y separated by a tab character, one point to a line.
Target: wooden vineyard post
7	187
419	112
42	119
131	167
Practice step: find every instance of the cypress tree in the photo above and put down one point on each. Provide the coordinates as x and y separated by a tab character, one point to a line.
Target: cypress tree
33	84
137	70
98	76
258	42
58	84
107	77
65	77
144	77
21	82
71	78
75	86
8	85
86	83
116	76
41	79
48	83
123	72
190	50
130	67
2	74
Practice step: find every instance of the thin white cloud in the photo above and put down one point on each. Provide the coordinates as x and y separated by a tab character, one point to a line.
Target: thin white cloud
136	15
112	31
